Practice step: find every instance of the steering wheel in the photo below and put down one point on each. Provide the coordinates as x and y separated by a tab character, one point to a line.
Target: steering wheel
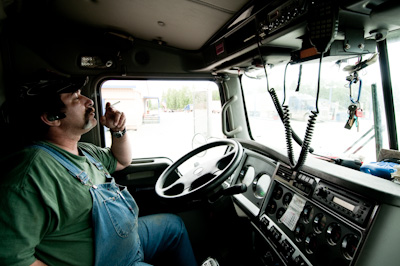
203	178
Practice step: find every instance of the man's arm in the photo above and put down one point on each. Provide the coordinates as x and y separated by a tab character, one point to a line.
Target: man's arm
120	147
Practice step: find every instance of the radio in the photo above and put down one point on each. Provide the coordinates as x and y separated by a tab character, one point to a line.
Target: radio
282	16
353	207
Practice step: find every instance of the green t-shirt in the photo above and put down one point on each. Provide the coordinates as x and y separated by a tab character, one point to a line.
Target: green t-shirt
45	213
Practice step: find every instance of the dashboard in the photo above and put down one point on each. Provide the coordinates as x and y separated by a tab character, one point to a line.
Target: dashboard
320	215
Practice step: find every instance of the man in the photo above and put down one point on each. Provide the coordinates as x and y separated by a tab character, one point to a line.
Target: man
51	217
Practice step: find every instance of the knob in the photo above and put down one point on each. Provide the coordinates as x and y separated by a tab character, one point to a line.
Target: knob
322	192
319	223
307	213
310	243
299	232
333	233
349	246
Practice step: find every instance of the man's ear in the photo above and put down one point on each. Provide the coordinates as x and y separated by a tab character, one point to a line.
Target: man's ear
52	119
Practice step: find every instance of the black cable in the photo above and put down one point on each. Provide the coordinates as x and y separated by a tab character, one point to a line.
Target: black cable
289	134
285	117
277	105
319	82
284	84
310	124
299	80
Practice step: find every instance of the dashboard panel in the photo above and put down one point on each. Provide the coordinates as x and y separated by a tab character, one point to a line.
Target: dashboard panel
313	233
256	173
308	217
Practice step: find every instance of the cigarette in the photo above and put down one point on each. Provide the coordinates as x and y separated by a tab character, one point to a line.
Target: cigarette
115	103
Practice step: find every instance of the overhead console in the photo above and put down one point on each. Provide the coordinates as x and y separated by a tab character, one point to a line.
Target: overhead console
265	24
304	27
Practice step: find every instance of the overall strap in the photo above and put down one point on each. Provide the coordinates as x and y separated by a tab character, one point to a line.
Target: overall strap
98	165
72	169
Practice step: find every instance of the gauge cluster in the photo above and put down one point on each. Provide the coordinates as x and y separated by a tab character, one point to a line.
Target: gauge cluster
256	173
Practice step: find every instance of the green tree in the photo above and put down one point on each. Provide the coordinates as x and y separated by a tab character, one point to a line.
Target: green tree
215	95
178	99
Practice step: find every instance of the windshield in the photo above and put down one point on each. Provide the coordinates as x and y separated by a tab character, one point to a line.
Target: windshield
165	118
341	88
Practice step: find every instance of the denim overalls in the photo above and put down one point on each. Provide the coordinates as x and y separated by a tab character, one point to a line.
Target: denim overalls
114	216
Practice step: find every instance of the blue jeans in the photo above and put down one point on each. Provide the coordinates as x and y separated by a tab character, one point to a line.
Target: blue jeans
165	241
123	239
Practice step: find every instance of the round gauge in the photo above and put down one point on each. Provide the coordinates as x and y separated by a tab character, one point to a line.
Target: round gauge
280	213
319	223
271	207
287	198
248	176
299	232
307	213
349	246
310	243
261	185
277	194
333	233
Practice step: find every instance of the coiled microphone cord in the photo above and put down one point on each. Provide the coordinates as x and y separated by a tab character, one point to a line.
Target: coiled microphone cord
310	125
284	114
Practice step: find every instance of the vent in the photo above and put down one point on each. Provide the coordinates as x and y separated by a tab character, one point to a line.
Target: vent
284	172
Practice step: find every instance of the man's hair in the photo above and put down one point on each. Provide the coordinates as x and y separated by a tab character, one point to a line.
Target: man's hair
43	96
20	114
50	104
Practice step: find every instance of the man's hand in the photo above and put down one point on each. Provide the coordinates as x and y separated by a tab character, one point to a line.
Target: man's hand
113	119
120	147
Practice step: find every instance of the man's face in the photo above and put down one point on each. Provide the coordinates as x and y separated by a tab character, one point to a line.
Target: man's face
79	113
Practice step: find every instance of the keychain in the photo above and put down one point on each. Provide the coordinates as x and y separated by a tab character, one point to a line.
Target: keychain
358	114
354	110
352	116
354	78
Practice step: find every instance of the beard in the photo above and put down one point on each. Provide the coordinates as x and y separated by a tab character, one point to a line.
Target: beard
89	123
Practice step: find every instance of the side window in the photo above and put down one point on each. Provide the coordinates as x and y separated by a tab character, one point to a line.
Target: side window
165	118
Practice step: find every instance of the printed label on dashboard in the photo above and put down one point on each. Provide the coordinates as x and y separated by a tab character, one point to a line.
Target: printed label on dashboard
293	212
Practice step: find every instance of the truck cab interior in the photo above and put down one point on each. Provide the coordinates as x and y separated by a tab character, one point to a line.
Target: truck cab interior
268	125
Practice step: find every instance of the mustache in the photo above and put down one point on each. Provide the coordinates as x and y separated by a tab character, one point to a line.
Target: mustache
88	124
89	111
